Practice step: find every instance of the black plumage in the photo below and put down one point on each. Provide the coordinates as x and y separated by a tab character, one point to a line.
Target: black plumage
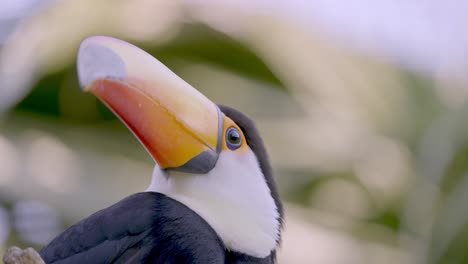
142	228
145	227
151	227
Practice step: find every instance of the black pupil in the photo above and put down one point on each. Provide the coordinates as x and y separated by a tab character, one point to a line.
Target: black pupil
234	136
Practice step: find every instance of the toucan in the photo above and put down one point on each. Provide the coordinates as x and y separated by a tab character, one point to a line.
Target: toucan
212	196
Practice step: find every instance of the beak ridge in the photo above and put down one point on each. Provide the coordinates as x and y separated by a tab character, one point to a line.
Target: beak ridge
98	61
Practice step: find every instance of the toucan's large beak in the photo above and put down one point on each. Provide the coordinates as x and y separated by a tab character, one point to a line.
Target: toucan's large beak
179	126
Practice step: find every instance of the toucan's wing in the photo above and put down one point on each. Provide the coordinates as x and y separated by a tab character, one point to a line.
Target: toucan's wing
142	228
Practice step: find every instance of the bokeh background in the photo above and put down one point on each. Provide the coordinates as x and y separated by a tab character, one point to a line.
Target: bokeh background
361	104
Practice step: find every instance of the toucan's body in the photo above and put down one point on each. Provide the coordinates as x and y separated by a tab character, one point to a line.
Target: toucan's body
146	227
212	198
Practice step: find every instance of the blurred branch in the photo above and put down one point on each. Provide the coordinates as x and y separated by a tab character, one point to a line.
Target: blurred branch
15	255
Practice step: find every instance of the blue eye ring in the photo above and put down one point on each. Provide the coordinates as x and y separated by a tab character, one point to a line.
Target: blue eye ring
233	138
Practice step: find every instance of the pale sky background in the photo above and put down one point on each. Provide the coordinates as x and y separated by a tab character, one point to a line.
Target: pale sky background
425	35
429	36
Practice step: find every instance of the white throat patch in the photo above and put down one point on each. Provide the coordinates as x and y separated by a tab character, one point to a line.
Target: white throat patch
233	198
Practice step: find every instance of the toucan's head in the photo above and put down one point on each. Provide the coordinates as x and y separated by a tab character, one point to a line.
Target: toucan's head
209	157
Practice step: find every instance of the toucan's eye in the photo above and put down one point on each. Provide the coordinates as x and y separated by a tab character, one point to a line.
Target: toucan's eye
233	138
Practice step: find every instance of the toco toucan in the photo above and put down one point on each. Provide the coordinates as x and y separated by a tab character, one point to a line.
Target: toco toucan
212	197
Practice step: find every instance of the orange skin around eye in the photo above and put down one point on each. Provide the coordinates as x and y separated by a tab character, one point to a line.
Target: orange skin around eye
227	124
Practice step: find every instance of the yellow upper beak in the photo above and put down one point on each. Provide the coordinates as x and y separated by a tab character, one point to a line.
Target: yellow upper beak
178	125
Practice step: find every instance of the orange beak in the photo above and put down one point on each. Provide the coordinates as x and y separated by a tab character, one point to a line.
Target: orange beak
178	126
